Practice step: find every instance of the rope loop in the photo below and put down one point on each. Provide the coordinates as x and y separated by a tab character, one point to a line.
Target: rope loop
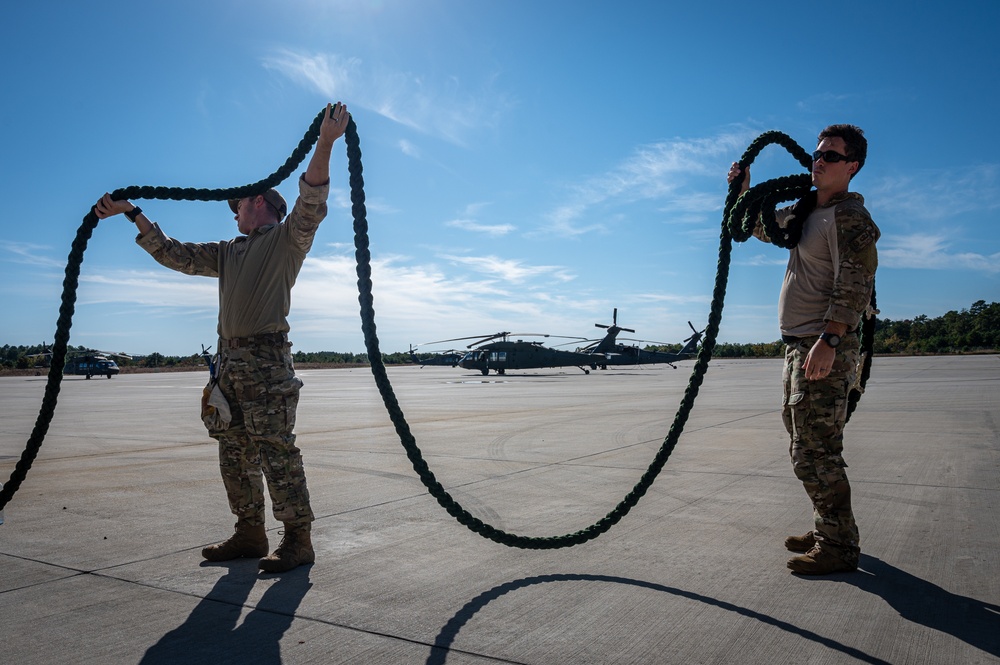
736	225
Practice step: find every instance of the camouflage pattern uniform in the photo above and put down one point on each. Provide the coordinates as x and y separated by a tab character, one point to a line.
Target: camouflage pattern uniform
830	276
258	380
814	413
256	273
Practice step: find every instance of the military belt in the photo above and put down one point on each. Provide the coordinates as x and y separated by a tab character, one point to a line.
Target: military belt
790	340
264	339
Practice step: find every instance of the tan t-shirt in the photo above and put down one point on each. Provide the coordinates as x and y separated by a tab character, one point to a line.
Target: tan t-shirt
256	272
831	271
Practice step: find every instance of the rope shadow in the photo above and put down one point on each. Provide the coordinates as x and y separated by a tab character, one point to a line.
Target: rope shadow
446	637
210	634
975	622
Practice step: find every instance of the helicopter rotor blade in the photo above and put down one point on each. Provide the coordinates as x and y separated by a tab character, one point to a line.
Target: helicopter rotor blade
460	339
696	336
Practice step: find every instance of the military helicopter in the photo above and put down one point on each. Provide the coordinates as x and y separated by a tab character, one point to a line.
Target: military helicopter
91	363
499	353
450	357
88	362
623	354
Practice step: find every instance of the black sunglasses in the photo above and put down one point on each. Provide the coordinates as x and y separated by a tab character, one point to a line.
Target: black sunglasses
831	156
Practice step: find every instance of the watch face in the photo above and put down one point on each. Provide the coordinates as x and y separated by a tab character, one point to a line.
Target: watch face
832	340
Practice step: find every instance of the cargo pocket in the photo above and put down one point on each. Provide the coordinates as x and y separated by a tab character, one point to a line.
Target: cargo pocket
274	413
790	414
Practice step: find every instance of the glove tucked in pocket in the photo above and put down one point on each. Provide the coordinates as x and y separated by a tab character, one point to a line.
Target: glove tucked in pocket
215	411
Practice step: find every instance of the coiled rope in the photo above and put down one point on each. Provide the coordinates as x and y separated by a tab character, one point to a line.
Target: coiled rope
765	196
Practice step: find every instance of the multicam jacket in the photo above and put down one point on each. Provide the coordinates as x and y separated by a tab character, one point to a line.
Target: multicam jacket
831	271
256	272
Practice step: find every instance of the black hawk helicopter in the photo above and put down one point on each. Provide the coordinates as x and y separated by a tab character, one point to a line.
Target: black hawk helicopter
87	362
499	353
450	357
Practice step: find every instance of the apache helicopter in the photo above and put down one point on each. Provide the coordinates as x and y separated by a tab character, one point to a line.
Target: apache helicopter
623	354
88	362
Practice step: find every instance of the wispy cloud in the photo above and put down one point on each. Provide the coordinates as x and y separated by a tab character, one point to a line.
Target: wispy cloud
510	270
932	252
409	149
468	220
661	171
447	109
161	288
924	217
493	230
30	254
936	195
417	303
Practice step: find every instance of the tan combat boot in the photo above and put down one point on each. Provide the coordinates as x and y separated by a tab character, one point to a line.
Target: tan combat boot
800	543
819	562
248	541
295	549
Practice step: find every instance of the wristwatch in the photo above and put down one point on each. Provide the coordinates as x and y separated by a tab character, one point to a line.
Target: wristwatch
133	213
832	340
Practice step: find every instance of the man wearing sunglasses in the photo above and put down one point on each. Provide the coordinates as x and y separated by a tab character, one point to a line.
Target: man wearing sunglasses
253	373
827	289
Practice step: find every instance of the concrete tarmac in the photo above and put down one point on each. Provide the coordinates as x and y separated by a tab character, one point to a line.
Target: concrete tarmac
100	553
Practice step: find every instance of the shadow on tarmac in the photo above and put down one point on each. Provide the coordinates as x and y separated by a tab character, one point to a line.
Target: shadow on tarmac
210	633
975	622
446	637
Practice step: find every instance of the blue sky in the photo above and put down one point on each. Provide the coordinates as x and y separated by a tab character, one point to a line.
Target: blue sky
529	165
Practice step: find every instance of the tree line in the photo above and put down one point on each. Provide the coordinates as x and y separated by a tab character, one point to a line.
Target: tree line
972	330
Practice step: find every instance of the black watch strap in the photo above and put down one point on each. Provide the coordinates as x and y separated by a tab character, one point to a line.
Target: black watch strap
831	339
133	213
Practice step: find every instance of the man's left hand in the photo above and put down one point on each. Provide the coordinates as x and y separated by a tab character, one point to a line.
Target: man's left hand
334	123
819	360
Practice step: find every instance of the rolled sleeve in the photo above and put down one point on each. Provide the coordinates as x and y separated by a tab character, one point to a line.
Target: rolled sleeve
310	209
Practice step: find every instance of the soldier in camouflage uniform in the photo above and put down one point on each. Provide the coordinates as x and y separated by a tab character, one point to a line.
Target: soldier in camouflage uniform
827	289
254	382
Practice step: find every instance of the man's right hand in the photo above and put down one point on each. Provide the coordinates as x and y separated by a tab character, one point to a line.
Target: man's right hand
107	208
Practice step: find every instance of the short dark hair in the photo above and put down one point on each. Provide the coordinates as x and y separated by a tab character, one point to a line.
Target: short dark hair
854	141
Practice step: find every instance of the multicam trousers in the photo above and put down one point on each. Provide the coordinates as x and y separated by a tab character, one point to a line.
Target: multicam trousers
814	413
260	385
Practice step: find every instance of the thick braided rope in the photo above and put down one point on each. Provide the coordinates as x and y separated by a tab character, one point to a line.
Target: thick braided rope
409	443
366	301
71	282
772	194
